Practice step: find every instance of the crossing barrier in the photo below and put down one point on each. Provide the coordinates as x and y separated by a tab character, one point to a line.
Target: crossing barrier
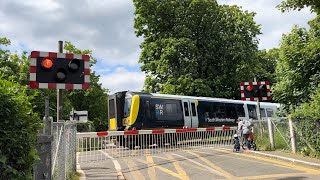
95	146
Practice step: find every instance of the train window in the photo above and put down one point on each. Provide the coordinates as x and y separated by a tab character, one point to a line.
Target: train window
204	111
112	112
193	108
147	109
219	110
186	109
269	112
252	111
240	110
171	109
127	106
231	111
262	112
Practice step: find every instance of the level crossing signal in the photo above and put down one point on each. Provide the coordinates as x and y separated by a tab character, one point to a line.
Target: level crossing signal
252	91
51	70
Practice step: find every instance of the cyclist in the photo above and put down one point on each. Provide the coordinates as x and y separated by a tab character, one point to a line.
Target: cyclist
246	130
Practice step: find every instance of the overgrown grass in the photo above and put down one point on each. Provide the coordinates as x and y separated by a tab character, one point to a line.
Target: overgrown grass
76	176
263	142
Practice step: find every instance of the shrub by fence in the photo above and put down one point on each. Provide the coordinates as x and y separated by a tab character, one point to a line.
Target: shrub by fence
19	127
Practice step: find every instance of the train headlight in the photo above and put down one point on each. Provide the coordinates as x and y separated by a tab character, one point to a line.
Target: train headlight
125	122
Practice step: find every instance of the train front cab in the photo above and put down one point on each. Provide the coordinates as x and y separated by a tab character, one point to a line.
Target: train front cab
123	110
115	110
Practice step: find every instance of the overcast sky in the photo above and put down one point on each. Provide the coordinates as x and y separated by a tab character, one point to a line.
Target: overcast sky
106	28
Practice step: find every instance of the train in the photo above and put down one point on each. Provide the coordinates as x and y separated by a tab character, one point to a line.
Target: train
130	110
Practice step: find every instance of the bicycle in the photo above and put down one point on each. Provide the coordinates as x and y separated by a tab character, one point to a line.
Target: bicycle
252	144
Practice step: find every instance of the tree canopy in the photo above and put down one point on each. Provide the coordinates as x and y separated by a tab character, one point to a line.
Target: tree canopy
196	47
300	4
95	99
298	67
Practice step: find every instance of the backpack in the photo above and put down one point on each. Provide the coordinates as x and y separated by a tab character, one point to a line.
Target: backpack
247	123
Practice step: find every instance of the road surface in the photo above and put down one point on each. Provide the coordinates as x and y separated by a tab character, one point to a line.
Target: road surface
199	164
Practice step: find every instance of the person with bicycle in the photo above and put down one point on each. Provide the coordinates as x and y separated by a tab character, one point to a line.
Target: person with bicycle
246	130
239	130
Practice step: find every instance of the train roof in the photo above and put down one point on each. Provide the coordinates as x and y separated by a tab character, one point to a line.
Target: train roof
180	97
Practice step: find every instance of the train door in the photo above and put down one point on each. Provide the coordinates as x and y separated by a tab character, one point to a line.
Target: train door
190	113
263	114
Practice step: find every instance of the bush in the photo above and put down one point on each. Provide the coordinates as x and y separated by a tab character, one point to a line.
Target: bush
19	127
85	127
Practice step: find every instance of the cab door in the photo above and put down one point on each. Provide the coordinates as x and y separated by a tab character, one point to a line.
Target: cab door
190	113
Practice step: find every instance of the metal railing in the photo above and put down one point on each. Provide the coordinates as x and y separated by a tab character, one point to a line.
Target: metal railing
64	150
95	146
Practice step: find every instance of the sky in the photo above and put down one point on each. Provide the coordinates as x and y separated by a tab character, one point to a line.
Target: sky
106	28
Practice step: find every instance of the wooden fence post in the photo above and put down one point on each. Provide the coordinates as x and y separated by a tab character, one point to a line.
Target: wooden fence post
271	135
292	137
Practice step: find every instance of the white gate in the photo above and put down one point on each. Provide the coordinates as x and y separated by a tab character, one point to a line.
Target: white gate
94	146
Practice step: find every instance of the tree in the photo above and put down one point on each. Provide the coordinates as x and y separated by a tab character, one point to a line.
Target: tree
196	47
8	66
298	74
267	65
307	121
300	4
19	126
298	68
95	99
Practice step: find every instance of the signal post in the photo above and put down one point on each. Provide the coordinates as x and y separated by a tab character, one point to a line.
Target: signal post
52	70
257	91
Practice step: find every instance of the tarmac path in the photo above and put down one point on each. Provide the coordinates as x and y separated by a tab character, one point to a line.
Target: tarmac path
199	164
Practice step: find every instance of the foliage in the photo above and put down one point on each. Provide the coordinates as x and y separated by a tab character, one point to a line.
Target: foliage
297	76
95	99
196	47
299	4
298	68
85	127
280	132
307	119
19	126
267	66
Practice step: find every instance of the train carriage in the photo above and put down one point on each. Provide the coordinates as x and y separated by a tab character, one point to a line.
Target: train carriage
135	110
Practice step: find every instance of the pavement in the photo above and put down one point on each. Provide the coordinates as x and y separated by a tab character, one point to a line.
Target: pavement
289	157
111	169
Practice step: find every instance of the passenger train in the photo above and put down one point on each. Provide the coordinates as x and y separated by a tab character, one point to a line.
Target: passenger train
136	110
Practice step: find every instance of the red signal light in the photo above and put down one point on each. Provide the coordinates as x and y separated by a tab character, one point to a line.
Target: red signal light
47	63
249	88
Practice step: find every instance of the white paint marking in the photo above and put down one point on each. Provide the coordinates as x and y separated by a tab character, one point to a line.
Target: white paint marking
33	61
116	165
83	175
287	159
199	164
77	56
33	77
43	54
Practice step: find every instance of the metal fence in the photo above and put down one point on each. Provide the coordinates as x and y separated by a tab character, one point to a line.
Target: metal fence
97	146
64	150
278	137
306	136
290	137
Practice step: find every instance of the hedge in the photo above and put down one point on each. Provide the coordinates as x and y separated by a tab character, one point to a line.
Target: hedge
19	126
